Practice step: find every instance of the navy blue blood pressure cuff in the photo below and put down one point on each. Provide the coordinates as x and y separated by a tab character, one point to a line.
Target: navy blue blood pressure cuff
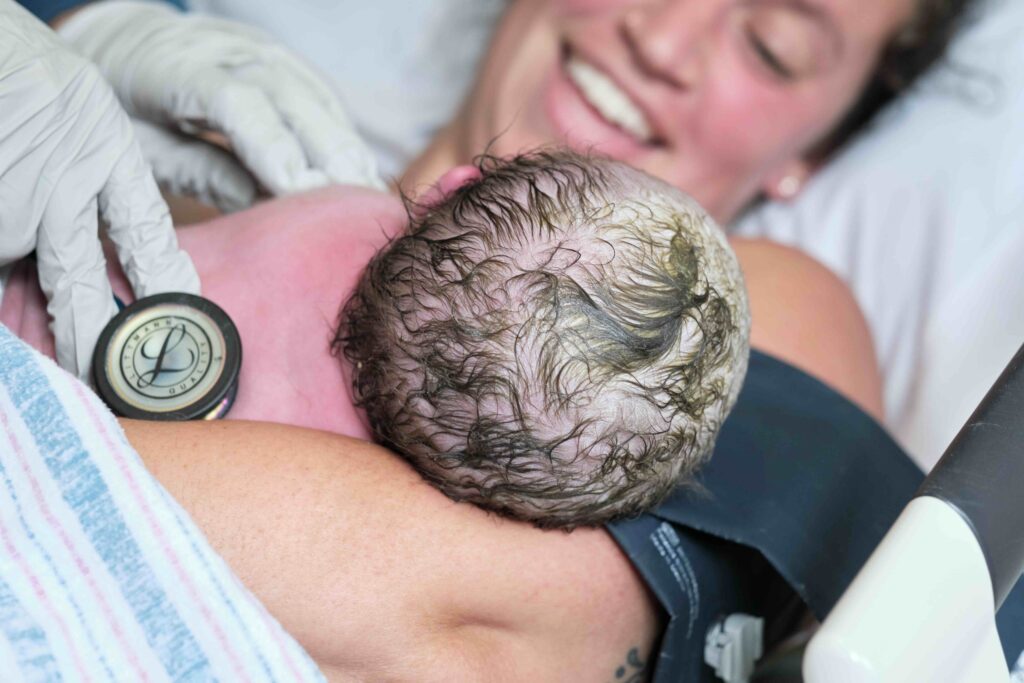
47	10
801	489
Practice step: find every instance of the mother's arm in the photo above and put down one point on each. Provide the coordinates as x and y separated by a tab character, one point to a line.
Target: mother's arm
380	577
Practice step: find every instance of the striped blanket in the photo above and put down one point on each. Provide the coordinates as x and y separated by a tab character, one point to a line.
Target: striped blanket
103	577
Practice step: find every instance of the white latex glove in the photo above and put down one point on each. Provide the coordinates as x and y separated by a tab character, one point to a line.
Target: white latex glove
190	73
67	151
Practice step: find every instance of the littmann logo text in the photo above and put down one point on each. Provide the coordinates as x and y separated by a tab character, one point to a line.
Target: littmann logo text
166	357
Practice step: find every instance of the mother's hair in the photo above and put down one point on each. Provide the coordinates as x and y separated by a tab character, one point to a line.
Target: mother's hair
909	53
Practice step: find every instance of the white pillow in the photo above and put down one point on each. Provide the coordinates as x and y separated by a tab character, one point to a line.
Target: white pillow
923	217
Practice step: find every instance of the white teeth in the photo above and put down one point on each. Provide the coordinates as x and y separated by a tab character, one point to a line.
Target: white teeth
605	96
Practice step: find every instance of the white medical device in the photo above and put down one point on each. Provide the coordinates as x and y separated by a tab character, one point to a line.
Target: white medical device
923	607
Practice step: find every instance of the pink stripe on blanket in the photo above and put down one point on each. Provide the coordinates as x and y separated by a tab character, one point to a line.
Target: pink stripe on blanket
24	566
37	588
117	449
272	626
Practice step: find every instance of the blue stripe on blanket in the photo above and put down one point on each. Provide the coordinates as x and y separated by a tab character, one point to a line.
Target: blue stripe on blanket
226	600
27	639
86	493
68	594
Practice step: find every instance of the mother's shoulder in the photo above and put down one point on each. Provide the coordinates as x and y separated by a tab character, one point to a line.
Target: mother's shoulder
805	315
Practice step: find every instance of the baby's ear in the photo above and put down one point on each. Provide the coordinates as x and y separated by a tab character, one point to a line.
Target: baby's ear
452	180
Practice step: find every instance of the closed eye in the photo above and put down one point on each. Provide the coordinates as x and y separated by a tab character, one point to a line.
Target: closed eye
767	57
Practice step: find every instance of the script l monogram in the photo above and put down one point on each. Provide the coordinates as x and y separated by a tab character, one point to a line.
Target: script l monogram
174	337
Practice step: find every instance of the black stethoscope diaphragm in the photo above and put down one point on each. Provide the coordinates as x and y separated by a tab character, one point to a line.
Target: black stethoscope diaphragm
171	356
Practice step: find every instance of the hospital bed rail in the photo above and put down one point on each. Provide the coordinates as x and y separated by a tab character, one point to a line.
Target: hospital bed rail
923	608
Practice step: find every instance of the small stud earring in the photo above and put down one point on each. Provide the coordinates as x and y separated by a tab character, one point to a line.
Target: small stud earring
788	187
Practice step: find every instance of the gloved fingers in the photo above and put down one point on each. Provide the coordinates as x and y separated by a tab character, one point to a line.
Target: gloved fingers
69	257
73	276
189	72
189	166
328	138
259	136
139	225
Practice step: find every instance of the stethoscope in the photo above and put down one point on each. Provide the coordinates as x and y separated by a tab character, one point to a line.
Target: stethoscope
169	356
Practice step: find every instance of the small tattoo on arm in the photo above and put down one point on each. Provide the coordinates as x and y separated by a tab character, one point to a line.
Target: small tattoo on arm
633	670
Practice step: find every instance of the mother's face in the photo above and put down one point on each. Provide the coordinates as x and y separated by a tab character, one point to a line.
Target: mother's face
722	98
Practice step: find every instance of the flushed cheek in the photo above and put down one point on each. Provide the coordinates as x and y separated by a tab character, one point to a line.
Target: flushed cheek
746	123
726	152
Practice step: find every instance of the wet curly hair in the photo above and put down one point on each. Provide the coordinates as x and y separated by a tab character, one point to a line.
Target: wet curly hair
558	341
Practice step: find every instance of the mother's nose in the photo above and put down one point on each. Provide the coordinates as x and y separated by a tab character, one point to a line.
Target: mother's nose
670	39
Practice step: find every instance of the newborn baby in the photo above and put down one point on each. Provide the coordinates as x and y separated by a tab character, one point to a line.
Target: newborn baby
558	339
554	337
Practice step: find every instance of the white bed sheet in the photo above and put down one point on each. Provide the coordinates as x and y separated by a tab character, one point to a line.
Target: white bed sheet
923	218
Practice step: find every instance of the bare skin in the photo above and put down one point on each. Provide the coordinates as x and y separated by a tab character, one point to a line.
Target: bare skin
834	345
382	578
283	271
727	98
379	576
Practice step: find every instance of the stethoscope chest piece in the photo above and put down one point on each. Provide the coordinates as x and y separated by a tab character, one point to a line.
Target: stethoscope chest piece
170	356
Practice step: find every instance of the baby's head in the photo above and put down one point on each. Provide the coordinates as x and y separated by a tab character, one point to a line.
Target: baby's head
558	340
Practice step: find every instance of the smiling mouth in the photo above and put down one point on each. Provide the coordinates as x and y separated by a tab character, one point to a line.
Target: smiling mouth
608	100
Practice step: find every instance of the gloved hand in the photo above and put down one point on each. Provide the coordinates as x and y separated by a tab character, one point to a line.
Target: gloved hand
67	150
189	74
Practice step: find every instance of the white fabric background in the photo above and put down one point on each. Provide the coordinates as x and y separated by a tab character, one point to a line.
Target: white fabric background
924	218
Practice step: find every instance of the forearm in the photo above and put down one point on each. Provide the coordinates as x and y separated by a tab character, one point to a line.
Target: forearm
372	569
